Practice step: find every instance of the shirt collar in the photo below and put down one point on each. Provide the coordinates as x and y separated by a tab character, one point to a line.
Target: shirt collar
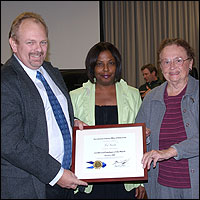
31	72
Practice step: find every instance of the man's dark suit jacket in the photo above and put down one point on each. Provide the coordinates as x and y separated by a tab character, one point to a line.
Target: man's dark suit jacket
26	165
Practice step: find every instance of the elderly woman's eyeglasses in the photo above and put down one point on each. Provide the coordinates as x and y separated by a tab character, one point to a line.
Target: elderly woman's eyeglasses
176	61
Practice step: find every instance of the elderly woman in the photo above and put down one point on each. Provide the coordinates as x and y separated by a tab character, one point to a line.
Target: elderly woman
171	111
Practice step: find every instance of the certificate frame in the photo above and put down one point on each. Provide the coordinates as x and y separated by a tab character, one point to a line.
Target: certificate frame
113	153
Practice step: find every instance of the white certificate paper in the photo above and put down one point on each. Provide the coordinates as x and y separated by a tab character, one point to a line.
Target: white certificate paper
109	153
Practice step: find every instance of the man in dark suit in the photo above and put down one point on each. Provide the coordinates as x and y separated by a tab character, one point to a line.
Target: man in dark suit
31	142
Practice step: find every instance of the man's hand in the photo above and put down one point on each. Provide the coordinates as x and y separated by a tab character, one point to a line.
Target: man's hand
79	123
69	180
140	192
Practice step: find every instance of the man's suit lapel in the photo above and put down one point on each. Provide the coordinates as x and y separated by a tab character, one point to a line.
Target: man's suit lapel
27	85
32	102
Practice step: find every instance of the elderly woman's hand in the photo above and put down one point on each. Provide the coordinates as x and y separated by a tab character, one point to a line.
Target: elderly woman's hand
157	155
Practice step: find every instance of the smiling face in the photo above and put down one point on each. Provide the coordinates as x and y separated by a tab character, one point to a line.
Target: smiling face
175	73
31	44
105	69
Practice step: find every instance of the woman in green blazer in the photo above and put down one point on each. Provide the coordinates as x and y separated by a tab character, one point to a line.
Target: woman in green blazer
106	99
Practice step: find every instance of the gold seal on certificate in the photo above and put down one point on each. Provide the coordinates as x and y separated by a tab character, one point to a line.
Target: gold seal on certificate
97	164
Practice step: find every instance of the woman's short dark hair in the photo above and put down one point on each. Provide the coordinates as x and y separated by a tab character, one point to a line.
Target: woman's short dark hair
93	54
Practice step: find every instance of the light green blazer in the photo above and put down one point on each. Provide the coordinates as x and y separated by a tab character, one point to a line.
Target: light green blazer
128	104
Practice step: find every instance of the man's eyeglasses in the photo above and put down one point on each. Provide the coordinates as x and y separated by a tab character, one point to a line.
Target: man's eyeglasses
176	61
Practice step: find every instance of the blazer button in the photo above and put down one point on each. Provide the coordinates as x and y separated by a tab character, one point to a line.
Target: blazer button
187	124
192	170
184	110
192	99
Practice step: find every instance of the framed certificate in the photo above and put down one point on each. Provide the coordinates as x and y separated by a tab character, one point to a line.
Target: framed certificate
109	153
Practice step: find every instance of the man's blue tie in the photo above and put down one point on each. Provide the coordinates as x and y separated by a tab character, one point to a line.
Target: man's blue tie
61	120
